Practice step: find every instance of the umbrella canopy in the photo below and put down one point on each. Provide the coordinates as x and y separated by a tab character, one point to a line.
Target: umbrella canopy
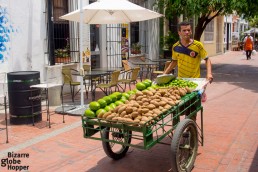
112	12
253	30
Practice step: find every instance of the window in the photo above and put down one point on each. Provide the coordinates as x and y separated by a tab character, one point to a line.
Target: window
209	31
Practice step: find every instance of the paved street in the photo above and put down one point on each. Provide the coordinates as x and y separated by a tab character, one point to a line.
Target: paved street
230	132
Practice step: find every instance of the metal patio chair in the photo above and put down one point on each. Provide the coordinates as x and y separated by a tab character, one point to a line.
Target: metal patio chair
53	79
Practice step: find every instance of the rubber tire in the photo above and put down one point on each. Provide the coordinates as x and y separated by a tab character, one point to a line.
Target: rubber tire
182	126
108	149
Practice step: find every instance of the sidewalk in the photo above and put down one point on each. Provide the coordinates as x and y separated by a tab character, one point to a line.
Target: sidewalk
230	132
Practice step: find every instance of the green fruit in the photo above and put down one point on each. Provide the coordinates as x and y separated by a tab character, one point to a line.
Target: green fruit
140	86
134	90
148	80
113	98
123	99
118	95
108	108
118	102
154	86
150	88
100	110
130	92
126	95
112	105
102	103
107	99
146	83
94	106
89	113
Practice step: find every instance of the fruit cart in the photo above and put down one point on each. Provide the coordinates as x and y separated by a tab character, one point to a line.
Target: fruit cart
176	122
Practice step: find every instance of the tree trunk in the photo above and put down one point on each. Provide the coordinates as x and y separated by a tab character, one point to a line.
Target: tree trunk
199	28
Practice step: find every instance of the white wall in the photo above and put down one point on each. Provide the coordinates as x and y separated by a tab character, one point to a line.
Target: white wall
25	49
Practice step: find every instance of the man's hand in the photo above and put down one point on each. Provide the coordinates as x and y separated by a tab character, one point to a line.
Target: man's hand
209	77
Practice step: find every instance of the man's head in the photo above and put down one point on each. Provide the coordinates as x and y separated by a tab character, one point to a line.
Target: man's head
248	34
184	30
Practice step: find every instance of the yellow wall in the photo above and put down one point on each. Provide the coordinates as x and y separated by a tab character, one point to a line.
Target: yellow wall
211	46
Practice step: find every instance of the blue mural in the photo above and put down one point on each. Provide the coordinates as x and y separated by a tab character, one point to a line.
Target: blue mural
5	30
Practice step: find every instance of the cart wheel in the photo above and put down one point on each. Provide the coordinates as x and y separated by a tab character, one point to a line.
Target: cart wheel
184	146
115	150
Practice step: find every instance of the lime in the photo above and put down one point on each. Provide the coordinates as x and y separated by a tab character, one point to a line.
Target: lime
134	90
126	95
94	106
146	83
123	99
118	95
113	98
119	102
89	113
150	88
100	111
108	108
112	105
140	86
107	99
102	103
130	92
148	80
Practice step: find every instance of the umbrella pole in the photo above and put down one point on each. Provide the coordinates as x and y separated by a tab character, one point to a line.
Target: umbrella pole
81	66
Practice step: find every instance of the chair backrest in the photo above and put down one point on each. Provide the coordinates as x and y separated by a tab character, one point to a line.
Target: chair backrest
114	77
67	75
135	73
3	84
54	75
126	65
86	67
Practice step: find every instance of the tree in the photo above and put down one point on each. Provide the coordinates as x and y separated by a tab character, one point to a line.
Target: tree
206	10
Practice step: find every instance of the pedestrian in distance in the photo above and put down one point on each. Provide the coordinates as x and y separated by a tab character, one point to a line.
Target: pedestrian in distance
248	46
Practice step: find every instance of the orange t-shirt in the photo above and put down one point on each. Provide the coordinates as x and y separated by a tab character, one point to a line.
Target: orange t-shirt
248	44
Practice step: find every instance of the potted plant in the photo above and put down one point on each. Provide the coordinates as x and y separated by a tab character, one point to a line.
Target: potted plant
62	55
136	48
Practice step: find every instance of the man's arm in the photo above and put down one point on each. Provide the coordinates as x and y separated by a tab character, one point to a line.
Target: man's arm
209	69
171	66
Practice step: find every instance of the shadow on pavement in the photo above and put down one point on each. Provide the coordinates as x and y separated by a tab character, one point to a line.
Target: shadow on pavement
244	76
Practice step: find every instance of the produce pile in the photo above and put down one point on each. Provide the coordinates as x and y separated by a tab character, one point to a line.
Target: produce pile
141	106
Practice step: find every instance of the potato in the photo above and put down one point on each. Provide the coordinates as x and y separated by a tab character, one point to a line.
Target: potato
145	100
178	97
172	103
134	114
123	114
151	106
145	110
110	117
132	97
106	114
162	103
139	98
145	104
121	109
142	122
100	115
138	93
129	109
144	118
167	106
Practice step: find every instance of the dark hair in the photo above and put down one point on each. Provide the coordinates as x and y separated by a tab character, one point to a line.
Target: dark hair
184	23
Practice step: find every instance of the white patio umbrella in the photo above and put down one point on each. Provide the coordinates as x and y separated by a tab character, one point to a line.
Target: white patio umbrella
112	12
108	12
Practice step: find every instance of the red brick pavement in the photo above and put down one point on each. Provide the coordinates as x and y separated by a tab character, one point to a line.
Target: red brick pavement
230	131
